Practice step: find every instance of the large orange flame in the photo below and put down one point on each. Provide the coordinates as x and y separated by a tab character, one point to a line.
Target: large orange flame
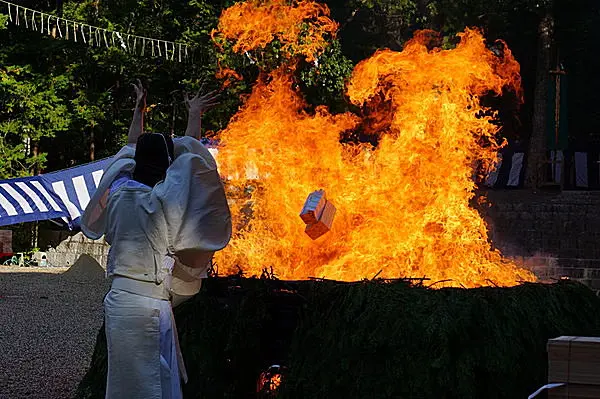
403	207
302	28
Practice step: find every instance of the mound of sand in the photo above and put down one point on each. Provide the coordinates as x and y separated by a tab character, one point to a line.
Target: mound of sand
85	268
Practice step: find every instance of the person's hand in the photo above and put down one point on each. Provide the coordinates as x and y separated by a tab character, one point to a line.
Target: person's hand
140	95
201	102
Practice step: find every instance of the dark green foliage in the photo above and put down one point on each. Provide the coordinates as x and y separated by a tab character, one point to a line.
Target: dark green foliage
324	82
389	341
221	356
372	339
29	111
78	95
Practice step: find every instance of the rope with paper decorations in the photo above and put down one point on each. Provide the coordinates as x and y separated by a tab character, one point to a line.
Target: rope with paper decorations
79	32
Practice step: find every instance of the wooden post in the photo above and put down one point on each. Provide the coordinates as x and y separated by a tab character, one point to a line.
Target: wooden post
35	149
537	145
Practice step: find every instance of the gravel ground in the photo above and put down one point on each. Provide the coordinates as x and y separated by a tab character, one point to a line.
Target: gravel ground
49	318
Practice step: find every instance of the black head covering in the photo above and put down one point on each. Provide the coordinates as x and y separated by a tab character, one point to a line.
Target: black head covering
153	156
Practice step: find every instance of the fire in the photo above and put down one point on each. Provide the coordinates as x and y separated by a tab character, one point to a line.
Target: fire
403	206
227	75
269	381
301	28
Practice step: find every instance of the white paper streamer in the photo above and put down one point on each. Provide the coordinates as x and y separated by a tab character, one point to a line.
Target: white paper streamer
123	46
95	34
58	27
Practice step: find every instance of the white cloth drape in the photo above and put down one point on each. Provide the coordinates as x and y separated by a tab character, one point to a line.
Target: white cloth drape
557	159
514	175
142	356
581	170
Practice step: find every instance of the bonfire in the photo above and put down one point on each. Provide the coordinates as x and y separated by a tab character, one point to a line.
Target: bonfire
402	206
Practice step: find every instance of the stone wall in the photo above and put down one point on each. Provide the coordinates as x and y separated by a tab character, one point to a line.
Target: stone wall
553	234
71	248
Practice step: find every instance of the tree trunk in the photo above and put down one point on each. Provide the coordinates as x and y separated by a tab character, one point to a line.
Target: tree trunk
35	171
59	8
35	152
92	145
537	143
173	117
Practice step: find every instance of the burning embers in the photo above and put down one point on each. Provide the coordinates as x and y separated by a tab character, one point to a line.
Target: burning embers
402	207
269	381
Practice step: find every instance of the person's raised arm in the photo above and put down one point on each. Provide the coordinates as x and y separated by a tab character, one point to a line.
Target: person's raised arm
196	107
137	124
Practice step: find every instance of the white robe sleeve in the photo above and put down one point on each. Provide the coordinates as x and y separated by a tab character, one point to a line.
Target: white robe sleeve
93	222
185	282
194	204
197	215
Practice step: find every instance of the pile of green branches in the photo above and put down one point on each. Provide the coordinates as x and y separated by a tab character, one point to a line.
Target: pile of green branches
370	339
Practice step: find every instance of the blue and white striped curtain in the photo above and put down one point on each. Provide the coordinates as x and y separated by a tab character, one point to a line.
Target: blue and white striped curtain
58	195
509	171
581	170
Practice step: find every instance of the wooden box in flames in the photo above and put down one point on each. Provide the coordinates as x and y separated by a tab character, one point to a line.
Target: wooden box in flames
318	214
313	207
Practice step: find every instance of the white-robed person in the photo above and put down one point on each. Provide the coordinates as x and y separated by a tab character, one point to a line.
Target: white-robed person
162	207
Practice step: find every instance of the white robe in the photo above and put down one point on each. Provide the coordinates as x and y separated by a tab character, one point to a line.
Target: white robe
185	216
142	350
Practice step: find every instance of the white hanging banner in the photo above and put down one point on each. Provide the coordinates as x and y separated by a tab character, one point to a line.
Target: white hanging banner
92	35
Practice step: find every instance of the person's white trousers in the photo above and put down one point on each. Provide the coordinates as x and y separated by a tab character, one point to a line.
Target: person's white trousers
142	352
